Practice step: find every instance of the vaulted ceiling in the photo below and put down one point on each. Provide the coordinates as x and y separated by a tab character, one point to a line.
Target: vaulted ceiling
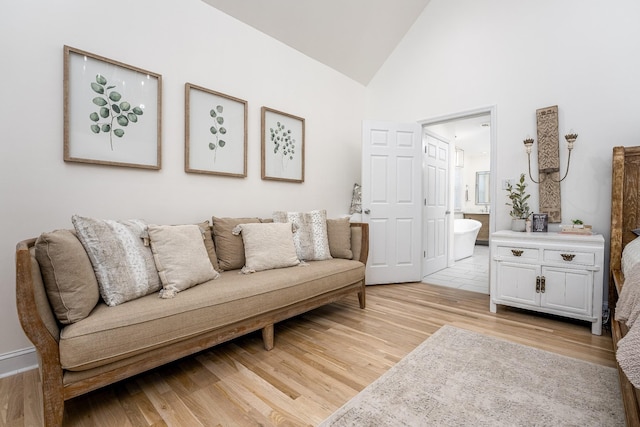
354	37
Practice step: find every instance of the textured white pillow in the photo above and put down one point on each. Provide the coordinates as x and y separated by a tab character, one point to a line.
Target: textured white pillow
310	238
123	265
267	246
181	257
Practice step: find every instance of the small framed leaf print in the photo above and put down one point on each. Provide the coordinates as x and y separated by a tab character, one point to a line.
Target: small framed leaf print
215	133
112	112
282	146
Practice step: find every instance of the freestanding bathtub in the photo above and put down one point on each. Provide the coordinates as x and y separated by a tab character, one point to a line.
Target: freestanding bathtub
465	232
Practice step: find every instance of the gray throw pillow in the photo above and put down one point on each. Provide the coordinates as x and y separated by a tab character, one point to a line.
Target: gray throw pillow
310	238
122	262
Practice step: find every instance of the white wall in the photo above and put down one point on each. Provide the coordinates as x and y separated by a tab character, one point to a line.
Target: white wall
582	55
185	41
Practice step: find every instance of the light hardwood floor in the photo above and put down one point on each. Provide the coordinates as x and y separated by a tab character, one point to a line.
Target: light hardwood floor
320	361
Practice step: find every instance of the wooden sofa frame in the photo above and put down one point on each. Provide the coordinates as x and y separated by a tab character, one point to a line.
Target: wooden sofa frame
39	331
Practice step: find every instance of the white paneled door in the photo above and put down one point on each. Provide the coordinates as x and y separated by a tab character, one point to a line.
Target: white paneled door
391	200
436	203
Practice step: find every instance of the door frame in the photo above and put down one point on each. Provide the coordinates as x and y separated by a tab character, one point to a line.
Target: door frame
493	157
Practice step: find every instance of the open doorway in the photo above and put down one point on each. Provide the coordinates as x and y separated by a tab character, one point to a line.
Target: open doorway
472	139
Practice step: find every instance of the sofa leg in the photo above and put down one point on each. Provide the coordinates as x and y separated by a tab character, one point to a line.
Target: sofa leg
267	337
362	298
52	397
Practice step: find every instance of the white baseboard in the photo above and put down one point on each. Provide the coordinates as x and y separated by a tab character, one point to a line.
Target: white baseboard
18	361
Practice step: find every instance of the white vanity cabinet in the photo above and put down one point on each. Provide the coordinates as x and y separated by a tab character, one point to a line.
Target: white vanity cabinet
554	273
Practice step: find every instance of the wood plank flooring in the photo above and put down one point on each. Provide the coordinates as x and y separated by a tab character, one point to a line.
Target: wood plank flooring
321	360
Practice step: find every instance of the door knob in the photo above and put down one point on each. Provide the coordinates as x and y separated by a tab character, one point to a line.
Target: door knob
367	211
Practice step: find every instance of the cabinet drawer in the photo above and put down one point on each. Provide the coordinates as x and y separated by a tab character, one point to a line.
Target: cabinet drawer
517	253
569	257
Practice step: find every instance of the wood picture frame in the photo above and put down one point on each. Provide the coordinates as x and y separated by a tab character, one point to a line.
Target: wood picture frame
215	133
282	146
112	112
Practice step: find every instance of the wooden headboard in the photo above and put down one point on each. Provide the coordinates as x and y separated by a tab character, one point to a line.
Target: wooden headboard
625	216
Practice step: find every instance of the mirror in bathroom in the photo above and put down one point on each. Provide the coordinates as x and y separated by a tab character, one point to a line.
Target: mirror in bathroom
482	188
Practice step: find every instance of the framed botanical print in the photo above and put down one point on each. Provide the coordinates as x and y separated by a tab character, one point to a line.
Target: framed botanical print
112	112
215	133
282	146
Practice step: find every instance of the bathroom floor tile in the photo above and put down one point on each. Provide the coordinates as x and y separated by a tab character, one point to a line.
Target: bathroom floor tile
471	274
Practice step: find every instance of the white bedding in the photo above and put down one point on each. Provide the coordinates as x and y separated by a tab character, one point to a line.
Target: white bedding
628	310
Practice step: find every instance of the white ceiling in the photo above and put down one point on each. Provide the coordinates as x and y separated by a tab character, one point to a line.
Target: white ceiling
354	37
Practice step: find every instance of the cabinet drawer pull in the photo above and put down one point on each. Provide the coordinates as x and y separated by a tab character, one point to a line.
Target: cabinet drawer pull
516	252
568	257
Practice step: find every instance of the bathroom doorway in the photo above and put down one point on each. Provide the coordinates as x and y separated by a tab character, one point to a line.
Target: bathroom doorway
472	183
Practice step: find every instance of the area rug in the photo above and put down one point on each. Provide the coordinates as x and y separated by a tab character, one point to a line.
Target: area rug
461	378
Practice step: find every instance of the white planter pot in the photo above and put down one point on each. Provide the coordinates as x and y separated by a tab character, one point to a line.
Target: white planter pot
518	224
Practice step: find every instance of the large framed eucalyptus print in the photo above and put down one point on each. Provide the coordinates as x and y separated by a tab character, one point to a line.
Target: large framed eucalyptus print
112	112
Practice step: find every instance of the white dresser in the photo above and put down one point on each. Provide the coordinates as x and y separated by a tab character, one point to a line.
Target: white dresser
554	273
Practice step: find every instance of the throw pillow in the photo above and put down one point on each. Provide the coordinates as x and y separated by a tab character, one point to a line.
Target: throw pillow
229	248
208	243
356	199
68	276
339	233
181	257
267	246
123	265
310	238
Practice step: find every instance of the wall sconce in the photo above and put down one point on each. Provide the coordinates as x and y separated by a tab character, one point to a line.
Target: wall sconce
528	144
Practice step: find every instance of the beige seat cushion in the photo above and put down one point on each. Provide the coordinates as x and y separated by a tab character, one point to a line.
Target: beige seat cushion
68	276
115	333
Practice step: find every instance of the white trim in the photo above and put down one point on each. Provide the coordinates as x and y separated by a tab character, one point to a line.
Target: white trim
493	158
18	361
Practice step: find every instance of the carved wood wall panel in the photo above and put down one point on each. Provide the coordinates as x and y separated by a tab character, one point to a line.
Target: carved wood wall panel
549	163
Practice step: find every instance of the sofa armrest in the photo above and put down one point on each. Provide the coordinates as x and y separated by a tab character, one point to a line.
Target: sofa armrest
360	241
34	311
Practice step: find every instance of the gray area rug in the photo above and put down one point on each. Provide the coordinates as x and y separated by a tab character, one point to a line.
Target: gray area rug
460	378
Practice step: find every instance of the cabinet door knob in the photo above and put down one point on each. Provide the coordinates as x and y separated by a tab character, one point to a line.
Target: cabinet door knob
516	252
568	257
537	284
542	284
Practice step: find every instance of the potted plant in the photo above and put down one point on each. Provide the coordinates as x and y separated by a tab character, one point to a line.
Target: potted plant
520	211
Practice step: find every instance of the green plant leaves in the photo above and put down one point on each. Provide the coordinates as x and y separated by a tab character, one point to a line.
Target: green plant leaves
217	130
115	96
112	111
283	142
97	88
